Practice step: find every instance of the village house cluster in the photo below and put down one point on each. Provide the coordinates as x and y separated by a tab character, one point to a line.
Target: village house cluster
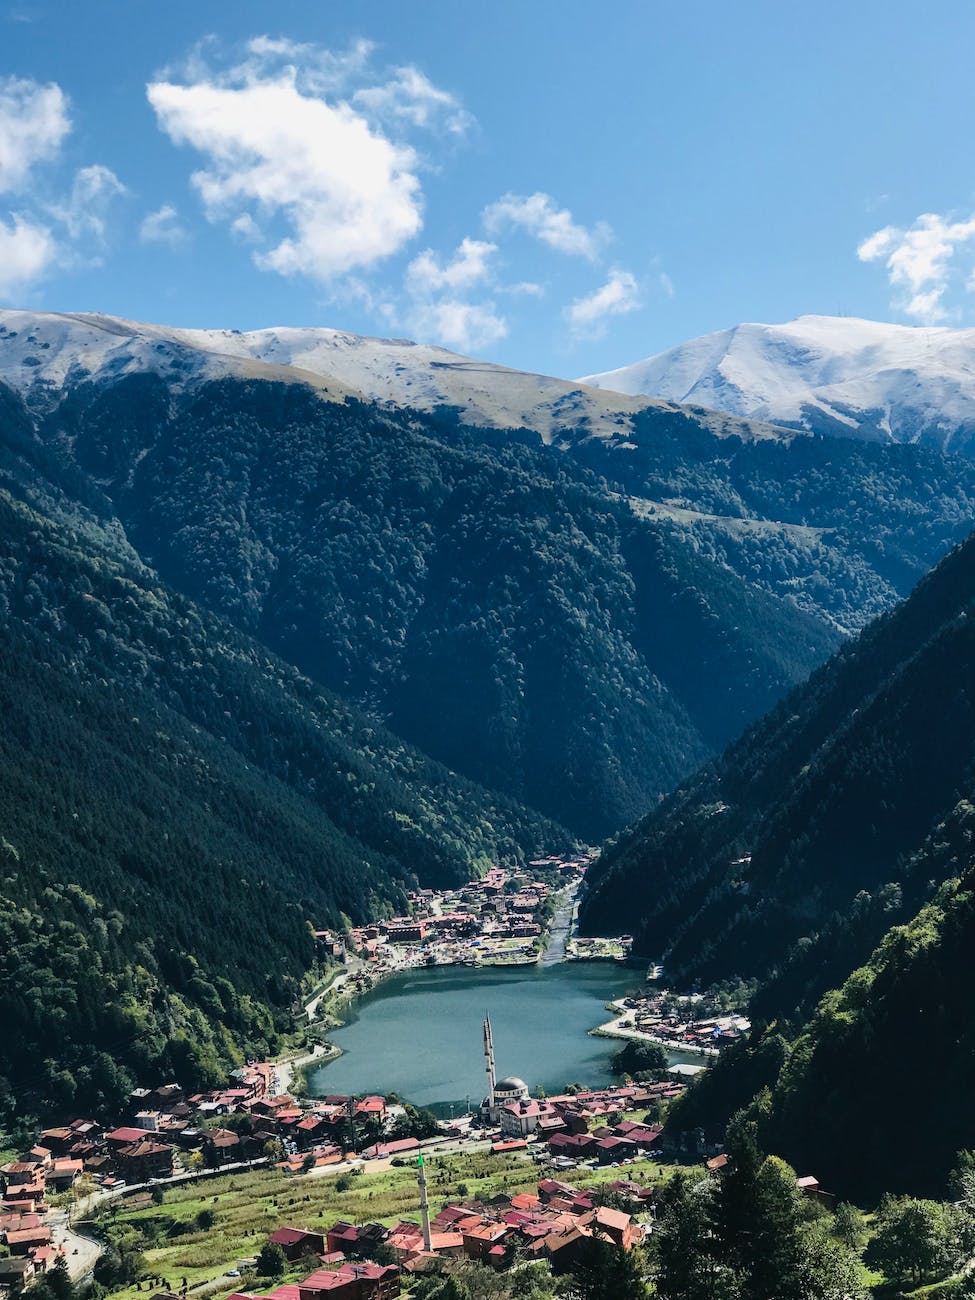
163	1133
25	1233
653	1017
498	918
588	1125
161	1130
552	1225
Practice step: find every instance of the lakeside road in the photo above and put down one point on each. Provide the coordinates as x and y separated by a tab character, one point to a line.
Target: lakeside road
284	1070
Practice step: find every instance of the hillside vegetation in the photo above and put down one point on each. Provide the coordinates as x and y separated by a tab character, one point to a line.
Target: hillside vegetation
835	1094
787	859
577	625
489	600
176	806
826	861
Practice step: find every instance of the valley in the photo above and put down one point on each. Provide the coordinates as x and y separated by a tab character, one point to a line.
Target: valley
487	651
376	674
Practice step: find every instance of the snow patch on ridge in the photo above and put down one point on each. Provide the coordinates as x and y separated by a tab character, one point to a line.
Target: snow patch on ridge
41	353
868	379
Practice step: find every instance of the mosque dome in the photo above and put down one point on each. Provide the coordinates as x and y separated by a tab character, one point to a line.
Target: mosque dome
511	1084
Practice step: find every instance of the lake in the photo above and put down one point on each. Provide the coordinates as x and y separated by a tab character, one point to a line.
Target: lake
419	1033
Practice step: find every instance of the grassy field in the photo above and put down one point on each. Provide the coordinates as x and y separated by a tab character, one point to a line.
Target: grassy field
249	1206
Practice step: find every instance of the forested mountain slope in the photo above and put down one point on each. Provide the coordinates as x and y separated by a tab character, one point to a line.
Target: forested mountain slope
843	1094
176	806
787	859
577	624
493	602
838	1093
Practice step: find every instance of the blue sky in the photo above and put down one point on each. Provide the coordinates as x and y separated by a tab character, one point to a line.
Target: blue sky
563	186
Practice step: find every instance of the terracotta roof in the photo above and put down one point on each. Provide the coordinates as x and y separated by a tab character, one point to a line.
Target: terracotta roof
125	1135
24	1236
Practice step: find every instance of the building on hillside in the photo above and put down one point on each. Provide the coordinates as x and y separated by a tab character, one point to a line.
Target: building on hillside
297	1242
144	1159
16	1273
364	1281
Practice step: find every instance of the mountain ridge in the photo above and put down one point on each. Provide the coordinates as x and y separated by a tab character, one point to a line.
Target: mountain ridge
336	363
601	612
841	376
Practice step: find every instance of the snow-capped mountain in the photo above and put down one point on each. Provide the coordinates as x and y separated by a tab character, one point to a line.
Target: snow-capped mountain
853	378
42	353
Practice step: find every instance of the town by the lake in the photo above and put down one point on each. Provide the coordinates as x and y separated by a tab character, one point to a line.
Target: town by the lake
583	1154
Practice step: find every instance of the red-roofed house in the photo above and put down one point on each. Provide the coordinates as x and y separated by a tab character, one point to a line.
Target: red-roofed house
296	1242
375	1106
144	1159
364	1281
381	1150
342	1236
616	1225
22	1241
63	1172
123	1137
612	1149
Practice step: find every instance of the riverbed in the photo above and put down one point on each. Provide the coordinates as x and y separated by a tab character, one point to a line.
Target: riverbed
419	1033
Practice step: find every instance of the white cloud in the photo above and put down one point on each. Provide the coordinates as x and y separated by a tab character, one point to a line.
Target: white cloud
438	308
246	229
305	150
539	215
426	274
163	227
525	289
86	209
27	251
317	70
397	97
467	326
618	296
920	261
33	124
348	194
410	98
48	228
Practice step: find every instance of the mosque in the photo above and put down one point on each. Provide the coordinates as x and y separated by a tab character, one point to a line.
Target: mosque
501	1092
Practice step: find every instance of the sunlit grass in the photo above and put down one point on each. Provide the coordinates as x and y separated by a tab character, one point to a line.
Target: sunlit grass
249	1206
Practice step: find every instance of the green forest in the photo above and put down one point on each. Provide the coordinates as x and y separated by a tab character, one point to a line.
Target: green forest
537	618
787	859
176	807
824	862
839	1094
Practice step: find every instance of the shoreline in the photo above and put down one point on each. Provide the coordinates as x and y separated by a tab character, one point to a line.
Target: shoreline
339	997
614	1029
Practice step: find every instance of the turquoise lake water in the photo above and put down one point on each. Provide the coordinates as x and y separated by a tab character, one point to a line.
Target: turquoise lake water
419	1033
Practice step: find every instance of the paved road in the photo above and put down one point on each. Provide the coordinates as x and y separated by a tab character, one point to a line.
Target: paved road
80	1252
